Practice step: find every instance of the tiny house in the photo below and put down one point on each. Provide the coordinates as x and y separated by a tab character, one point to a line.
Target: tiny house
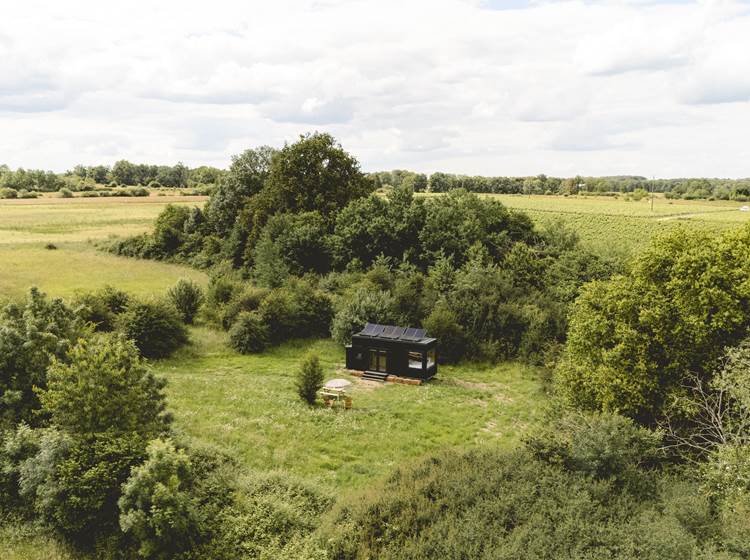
382	350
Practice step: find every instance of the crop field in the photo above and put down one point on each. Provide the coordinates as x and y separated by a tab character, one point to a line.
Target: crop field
72	226
614	225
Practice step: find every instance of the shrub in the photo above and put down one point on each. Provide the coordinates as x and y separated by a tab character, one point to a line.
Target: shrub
249	333
485	505
309	379
606	446
443	325
298	310
8	193
101	308
155	507
65	193
248	299
634	341
154	326
120	395
361	307
187	297
74	483
31	335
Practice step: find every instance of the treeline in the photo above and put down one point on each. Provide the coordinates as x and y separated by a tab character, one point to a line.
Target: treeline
301	246
122	174
696	188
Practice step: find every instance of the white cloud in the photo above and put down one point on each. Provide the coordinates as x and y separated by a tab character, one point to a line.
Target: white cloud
473	86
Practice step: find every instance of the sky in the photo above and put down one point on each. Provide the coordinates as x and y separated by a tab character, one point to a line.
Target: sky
481	87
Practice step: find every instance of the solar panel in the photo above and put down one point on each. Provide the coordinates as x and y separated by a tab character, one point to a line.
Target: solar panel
409	334
394	333
369	329
390	332
420	334
378	330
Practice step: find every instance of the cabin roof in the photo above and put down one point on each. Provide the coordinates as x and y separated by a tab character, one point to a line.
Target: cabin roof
394	333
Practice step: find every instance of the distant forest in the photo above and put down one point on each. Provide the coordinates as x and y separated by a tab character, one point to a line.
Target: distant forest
127	174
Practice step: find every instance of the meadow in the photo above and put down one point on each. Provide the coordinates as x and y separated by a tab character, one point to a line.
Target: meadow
71	227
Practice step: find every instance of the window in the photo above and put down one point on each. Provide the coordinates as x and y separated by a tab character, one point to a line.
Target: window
430	358
415	360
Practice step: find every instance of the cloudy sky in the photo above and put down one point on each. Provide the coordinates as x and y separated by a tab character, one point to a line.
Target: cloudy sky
504	87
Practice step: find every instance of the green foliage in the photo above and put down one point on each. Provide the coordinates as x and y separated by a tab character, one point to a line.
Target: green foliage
362	306
249	333
103	386
169	230
296	310
65	193
155	507
442	324
101	308
291	244
187	297
31	336
457	221
633	340
248	298
154	326
74	483
246	177
314	174
605	446
309	379
484	504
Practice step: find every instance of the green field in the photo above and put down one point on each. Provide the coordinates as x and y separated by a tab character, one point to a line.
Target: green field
248	405
614	225
73	226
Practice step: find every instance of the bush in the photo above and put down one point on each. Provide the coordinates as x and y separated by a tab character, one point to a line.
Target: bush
8	193
155	507
74	483
187	297
605	446
248	334
635	340
120	395
361	307
101	308
443	325
154	326
297	310
31	335
248	299
309	379
485	505
65	193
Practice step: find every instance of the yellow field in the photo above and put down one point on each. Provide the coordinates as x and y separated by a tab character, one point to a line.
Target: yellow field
73	225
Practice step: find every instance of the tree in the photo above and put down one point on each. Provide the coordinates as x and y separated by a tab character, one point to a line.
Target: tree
309	379
187	297
246	177
315	173
31	336
249	334
635	340
156	506
154	327
103	386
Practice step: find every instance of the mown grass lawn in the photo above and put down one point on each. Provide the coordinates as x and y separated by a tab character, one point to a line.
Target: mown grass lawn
248	405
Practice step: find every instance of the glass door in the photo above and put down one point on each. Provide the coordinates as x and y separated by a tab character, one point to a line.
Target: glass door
378	360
